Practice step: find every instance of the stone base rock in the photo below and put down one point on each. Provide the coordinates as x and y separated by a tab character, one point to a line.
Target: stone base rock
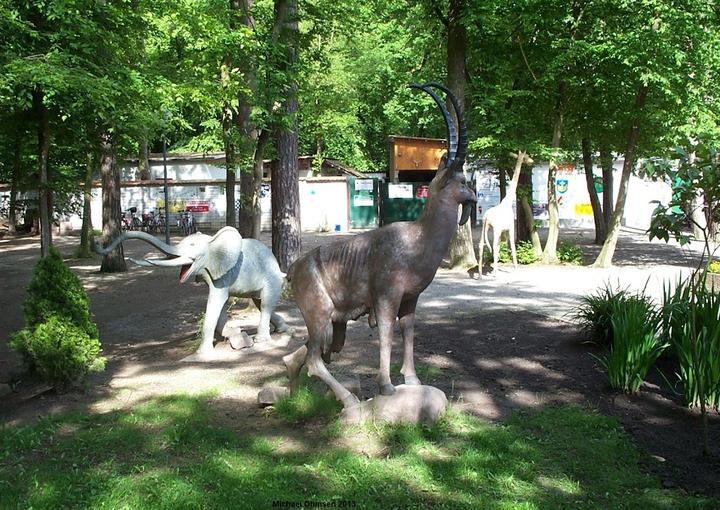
268	395
409	404
240	341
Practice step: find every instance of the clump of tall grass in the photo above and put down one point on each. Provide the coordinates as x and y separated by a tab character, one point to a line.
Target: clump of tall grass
636	344
691	322
595	312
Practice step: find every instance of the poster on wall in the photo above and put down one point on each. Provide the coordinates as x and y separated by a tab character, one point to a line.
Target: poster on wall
363	184
400	191
363	200
487	191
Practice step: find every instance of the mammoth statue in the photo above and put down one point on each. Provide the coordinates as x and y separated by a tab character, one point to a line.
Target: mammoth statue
231	266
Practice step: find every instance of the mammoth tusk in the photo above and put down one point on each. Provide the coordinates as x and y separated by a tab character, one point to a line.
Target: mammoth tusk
177	261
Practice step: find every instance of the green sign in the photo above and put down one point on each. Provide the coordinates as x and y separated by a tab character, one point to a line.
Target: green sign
598	183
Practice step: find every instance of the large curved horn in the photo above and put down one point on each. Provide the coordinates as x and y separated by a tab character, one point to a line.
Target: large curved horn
157	243
462	139
449	123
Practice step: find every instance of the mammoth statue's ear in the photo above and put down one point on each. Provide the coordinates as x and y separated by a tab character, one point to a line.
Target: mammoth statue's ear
224	252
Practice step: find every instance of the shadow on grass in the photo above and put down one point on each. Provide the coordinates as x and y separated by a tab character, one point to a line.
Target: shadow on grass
176	452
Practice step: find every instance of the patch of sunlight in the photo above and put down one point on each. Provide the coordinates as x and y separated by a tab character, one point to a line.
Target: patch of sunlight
561	484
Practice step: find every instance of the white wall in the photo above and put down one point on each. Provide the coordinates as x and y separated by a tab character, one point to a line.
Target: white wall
573	198
323	204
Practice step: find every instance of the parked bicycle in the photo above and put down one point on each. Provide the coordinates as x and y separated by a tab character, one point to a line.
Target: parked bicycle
186	223
130	220
153	222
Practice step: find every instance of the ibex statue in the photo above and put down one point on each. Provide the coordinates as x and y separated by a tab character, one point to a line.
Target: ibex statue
381	272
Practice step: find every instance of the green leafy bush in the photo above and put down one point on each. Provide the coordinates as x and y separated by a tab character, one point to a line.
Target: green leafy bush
570	253
59	351
55	290
524	251
60	340
595	312
635	347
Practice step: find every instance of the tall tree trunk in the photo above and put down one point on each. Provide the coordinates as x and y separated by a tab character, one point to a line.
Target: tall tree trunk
502	180
605	257
229	144
44	191
258	169
14	182
114	261
143	159
549	255
598	217
526	220
285	186
606	163
250	134
462	251
86	234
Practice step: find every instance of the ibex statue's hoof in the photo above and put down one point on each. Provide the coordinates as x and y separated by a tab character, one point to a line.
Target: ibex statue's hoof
387	389
412	380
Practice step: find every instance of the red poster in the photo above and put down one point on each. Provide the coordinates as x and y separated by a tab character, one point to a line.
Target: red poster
196	205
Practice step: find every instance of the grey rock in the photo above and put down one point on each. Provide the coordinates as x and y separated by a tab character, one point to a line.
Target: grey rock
240	341
409	404
268	395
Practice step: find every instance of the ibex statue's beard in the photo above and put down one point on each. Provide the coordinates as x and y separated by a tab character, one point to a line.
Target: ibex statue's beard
466	210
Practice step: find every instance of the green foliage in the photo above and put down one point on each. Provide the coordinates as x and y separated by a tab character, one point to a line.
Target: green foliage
524	251
59	351
690	172
55	290
60	340
692	319
167	452
635	347
570	253
596	311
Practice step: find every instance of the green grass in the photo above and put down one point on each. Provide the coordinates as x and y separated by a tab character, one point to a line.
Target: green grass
425	372
177	452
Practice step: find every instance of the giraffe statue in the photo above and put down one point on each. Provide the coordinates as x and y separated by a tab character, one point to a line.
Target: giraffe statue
501	218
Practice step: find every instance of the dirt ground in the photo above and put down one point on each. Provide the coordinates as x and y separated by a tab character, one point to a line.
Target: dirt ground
490	358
